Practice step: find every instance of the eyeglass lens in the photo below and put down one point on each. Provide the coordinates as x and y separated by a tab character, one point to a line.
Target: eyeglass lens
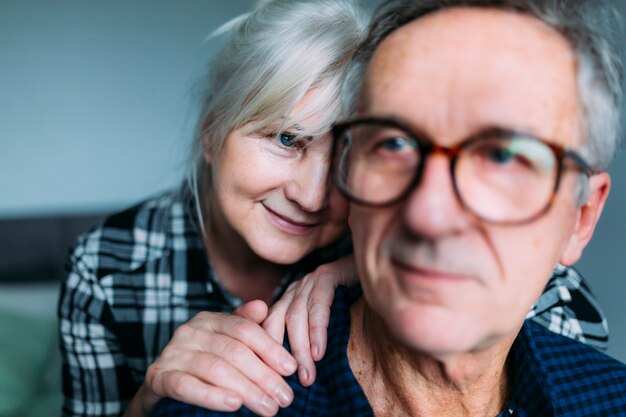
500	178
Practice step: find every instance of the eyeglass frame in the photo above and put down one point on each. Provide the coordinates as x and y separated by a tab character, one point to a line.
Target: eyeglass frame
427	147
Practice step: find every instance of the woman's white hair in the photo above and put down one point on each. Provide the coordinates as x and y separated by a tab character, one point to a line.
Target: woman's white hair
273	56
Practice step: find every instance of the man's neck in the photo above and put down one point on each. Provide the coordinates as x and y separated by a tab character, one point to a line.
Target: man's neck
400	382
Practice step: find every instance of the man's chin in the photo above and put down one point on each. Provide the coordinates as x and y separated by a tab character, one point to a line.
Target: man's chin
437	334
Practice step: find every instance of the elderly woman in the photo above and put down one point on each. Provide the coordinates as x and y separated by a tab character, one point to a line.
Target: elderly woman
256	214
142	309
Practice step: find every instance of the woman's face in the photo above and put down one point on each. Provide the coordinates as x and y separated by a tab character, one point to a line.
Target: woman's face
273	192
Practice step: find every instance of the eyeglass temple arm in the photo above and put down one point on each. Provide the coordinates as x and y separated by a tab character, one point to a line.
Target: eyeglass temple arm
579	161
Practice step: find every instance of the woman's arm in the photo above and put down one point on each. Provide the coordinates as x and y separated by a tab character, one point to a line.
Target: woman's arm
97	380
215	360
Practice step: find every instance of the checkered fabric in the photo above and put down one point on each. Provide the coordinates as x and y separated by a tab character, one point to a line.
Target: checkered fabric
568	307
553	376
556	376
143	272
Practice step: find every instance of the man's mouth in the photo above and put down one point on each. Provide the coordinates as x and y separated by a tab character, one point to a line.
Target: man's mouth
423	273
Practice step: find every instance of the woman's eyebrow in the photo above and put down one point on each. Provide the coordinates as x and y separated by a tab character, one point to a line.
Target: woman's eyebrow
297	129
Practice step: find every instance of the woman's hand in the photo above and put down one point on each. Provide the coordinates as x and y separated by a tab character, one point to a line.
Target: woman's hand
220	361
304	310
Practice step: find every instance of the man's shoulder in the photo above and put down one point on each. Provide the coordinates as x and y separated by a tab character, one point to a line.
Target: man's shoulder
576	379
343	300
127	239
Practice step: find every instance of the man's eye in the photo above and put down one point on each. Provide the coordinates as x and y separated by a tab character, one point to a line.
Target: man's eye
504	157
499	155
395	145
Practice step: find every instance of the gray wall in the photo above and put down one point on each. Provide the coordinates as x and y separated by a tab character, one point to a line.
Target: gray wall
96	108
96	112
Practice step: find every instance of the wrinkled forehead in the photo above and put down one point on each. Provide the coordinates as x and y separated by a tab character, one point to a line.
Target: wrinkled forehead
464	68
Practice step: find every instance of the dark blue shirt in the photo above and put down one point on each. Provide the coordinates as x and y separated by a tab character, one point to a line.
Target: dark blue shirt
551	376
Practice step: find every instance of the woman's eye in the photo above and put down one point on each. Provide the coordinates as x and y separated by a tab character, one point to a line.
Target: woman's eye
287	139
291	141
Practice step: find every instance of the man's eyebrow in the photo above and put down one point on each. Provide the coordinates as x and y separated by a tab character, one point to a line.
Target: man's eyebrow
418	129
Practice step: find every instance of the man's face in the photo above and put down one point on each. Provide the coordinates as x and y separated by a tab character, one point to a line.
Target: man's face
443	281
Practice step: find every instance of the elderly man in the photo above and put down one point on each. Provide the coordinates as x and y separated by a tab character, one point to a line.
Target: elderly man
475	163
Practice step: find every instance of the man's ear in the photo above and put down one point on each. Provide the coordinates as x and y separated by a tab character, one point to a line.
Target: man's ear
588	216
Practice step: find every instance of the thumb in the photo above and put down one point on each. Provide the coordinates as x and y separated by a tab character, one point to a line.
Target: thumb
254	310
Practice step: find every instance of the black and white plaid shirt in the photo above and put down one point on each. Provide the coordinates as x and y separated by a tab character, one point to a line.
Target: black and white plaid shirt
143	272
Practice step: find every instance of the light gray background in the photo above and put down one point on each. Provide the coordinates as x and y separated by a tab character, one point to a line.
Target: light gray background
97	109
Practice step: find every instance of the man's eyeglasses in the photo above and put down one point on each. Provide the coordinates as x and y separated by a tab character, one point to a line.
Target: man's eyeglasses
501	176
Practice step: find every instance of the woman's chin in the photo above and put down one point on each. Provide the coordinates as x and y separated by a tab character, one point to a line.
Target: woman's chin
281	254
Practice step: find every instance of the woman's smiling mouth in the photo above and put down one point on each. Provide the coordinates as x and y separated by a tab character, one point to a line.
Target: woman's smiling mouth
289	225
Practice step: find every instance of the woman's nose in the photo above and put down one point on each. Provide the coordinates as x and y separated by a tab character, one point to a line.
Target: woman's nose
310	185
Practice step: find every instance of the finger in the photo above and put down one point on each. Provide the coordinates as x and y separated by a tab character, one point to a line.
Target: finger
241	363
319	304
213	371
187	388
198	334
249	365
257	339
219	371
254	310
347	271
297	322
274	324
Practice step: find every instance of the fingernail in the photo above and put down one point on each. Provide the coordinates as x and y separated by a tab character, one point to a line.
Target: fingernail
268	404
315	350
303	373
289	367
283	396
232	402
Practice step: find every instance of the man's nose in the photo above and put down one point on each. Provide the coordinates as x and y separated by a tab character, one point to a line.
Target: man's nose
432	208
310	186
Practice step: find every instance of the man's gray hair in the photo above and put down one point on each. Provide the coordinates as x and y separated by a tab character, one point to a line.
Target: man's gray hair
272	57
585	24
